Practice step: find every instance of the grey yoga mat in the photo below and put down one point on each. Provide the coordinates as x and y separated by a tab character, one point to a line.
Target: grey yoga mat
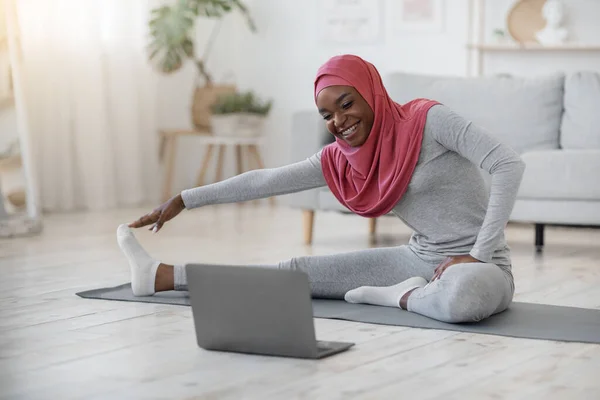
521	320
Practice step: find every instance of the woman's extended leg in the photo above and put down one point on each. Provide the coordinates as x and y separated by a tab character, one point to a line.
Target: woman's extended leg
330	276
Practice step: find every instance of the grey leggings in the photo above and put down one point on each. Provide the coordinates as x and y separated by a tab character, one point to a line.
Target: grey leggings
464	293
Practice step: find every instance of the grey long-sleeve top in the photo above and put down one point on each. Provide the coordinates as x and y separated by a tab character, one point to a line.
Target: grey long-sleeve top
447	203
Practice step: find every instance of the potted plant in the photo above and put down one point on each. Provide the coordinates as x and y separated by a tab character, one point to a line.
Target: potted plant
172	44
239	114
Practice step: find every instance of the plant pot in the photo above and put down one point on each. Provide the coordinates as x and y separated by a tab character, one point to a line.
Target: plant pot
204	98
238	124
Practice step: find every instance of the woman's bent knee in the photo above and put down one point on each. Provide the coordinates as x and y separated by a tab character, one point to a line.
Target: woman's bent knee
473	293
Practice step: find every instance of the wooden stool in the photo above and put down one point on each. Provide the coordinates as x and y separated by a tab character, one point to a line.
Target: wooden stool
308	218
168	148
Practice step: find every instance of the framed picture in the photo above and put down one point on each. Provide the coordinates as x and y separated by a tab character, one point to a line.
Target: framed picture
418	15
351	21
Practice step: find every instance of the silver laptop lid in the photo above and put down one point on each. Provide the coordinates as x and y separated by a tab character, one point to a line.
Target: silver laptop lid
252	310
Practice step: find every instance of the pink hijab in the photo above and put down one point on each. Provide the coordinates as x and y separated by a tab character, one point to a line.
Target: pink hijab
371	179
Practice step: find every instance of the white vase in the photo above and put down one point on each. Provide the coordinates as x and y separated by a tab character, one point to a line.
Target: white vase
238	125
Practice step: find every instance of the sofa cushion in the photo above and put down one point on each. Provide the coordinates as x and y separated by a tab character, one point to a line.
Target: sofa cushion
581	121
561	175
524	113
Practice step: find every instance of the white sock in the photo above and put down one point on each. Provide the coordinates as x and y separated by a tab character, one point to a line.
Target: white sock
143	267
384	296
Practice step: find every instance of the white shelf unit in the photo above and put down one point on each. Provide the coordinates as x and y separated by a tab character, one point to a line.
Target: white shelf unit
477	47
531	47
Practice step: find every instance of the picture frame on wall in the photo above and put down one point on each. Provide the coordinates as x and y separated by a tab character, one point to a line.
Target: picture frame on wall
426	16
351	21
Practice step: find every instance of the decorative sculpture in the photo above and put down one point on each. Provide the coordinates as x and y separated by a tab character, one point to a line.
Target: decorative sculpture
553	33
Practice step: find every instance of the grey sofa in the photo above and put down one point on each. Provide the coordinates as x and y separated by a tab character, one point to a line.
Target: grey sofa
552	121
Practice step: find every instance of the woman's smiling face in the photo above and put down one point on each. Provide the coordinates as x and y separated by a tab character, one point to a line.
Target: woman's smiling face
347	114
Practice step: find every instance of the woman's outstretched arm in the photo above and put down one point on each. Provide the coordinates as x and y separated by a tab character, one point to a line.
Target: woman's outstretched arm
259	184
256	184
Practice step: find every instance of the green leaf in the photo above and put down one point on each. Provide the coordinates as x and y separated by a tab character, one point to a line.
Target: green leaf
241	102
171	28
188	47
153	53
244	10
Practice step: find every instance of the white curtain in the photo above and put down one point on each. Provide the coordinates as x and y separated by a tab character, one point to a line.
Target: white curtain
91	102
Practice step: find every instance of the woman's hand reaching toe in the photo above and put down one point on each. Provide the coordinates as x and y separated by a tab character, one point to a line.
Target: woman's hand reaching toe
165	212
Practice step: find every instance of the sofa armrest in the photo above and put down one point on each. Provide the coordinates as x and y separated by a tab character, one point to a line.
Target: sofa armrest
308	137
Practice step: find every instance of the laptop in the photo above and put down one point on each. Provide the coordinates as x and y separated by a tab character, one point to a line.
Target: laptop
255	310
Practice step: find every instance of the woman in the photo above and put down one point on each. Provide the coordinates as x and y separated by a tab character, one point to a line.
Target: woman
419	161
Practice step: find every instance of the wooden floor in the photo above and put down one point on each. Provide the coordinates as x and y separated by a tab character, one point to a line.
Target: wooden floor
54	345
